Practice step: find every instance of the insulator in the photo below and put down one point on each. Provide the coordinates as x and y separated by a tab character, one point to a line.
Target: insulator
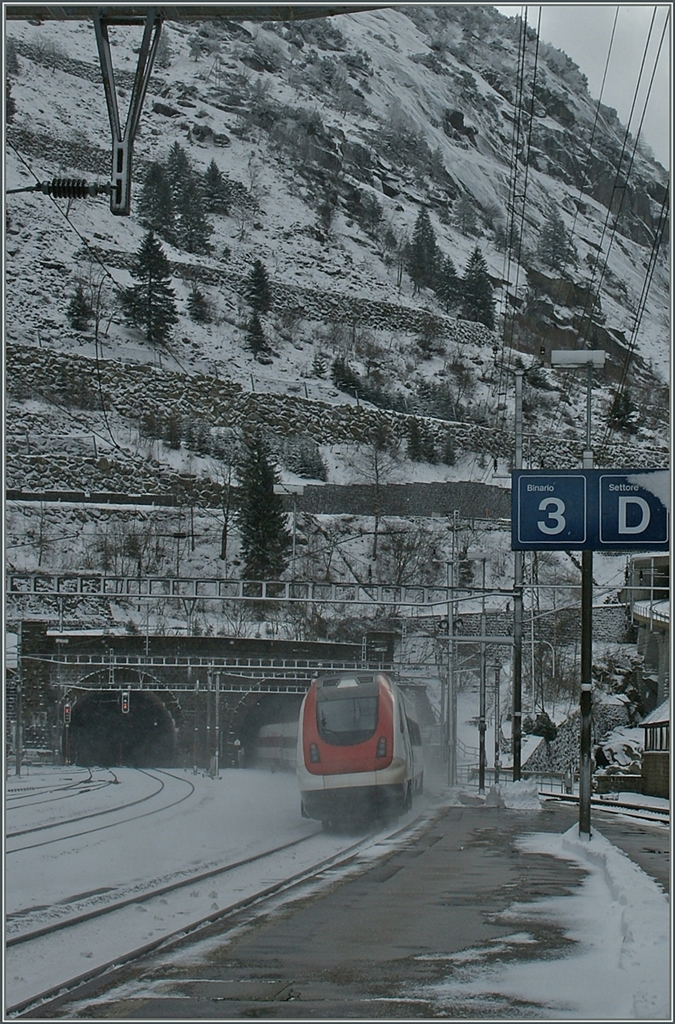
71	188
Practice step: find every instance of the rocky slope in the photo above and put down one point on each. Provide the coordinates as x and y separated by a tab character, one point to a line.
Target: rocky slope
333	135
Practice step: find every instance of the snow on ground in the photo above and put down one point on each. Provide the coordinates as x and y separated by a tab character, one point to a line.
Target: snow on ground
618	916
620	919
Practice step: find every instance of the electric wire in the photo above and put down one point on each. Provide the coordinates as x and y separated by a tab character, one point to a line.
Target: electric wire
553	430
592	299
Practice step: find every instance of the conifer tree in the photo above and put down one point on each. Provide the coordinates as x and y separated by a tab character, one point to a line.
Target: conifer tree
151	303
465	215
319	365
10	102
155	203
555	247
198	306
178	168
265	539
623	412
448	284
80	312
477	300
422	253
216	193
192	228
255	336
258	292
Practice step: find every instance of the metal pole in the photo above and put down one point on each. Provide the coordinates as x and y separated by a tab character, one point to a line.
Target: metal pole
585	700
295	521
482	716
17	736
497	758
516	731
217	727
209	746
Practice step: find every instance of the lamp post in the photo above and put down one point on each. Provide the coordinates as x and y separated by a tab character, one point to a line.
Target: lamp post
589	359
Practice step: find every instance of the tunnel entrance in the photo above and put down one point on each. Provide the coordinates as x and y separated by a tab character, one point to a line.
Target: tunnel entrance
270	709
101	734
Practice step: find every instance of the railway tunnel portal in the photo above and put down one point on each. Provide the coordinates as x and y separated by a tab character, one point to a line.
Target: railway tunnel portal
174	701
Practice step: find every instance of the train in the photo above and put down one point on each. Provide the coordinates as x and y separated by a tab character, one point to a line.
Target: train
276	745
359	753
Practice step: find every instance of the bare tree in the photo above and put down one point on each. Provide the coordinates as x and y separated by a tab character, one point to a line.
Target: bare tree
377	462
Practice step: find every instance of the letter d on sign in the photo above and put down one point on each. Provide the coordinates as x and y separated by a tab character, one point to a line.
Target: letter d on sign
624	502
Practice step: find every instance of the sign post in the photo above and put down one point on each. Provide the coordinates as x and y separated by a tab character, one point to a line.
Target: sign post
589	510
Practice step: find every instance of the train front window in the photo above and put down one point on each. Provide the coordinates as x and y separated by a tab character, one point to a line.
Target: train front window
347	720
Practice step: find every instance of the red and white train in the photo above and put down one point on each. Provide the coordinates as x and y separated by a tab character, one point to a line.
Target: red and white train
359	748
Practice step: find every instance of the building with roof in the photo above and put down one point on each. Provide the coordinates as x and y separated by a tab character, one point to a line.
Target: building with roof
648	597
656	753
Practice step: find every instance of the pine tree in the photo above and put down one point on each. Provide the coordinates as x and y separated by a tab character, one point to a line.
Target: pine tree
623	412
178	168
10	102
422	253
191	225
265	539
198	306
151	304
448	285
11	59
216	192
465	215
319	365
258	292
478	302
80	312
555	248
414	441
255	336
155	203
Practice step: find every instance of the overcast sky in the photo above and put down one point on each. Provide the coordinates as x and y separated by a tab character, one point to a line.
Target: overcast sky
584	31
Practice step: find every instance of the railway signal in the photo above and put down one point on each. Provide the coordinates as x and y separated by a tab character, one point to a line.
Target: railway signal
66	713
125	702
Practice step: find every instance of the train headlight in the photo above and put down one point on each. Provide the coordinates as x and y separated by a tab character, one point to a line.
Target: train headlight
381	747
314	755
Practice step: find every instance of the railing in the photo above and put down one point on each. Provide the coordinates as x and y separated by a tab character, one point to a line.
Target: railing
197	589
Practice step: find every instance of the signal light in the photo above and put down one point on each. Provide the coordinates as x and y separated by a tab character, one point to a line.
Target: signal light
66	713
125	702
381	747
314	755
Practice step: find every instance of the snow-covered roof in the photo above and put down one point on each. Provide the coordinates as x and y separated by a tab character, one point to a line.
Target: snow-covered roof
658	715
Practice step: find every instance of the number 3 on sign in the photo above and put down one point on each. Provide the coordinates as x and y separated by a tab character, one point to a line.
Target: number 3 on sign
554	509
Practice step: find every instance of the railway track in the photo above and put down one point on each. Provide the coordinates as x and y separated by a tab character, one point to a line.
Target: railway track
22	797
142	922
65	822
643	812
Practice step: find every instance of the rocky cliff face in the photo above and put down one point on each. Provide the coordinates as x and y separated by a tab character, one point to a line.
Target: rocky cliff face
333	134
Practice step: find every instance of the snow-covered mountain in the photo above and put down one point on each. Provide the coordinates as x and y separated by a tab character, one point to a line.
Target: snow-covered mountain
332	135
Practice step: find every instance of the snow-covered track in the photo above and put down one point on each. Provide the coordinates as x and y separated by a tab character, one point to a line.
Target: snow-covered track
273	876
32	796
644	812
106	812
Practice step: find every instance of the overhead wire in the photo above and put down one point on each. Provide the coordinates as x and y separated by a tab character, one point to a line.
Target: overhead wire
554	424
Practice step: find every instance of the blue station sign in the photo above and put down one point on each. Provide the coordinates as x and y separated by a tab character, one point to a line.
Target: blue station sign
590	509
